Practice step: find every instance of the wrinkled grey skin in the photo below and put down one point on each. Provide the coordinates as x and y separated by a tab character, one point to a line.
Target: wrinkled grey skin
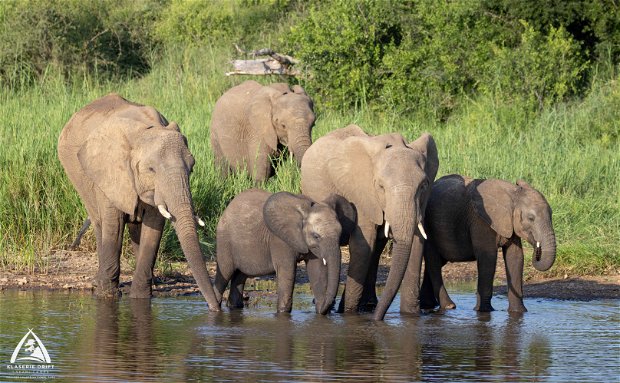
125	159
251	123
468	219
387	179
261	233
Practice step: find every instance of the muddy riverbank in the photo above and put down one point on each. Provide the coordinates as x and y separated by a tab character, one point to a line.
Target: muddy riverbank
75	270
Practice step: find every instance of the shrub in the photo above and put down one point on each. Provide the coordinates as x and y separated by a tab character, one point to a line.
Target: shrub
541	69
342	44
109	38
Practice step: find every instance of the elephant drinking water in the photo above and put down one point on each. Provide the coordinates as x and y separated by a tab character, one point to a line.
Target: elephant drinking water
261	233
469	219
131	166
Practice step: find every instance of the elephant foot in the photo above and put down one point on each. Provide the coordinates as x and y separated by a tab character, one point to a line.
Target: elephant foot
140	291
367	307
517	309
449	306
107	289
484	308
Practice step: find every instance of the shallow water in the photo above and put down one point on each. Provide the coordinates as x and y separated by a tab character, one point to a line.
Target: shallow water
177	339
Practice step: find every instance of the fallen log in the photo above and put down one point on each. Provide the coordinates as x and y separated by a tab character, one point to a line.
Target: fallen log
277	64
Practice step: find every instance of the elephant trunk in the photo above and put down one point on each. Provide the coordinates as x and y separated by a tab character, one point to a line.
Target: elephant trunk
333	260
299	141
177	197
404	216
544	252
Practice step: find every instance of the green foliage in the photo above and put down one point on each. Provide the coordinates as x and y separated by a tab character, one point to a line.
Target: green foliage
105	38
424	56
217	21
342	43
541	69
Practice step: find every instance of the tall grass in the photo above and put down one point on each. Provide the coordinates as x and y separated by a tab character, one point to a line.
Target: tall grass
565	152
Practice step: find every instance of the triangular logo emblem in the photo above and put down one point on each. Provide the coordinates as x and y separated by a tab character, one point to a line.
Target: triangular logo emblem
30	349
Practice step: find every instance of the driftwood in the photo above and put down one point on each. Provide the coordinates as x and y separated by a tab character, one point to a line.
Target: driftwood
276	64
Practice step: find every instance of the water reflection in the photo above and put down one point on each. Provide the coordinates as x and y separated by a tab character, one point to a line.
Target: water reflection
179	340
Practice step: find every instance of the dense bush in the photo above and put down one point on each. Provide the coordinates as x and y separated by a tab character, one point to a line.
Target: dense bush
218	21
425	55
106	38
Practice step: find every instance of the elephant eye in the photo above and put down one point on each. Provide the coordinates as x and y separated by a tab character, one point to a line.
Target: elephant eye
316	236
531	217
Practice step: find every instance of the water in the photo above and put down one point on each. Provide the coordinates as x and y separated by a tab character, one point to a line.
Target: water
177	339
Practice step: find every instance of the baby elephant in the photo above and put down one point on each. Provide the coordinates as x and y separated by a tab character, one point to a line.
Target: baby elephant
261	233
468	219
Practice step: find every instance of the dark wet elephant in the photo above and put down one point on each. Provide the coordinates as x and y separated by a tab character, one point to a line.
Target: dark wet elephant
469	219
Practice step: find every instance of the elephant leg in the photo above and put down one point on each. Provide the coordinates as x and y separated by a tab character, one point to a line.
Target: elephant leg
109	244
369	299
225	265
513	260
151	230
361	245
433	265
487	262
235	296
260	165
285	264
134	235
428	301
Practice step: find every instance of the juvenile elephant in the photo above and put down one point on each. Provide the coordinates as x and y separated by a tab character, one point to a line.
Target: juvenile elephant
261	233
388	180
250	121
130	166
468	219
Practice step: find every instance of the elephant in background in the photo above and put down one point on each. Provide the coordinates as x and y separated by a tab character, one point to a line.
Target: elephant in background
252	122
130	166
468	219
261	233
388	180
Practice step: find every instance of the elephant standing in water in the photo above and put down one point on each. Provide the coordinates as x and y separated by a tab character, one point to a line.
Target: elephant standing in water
261	233
468	219
389	181
252	122
130	166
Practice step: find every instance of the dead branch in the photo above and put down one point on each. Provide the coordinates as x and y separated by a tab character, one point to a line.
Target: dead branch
278	63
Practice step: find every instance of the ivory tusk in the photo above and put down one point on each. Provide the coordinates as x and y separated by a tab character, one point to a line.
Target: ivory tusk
164	212
537	245
421	228
324	261
199	221
387	229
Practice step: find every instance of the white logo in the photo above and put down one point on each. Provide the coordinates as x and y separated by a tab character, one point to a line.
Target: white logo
30	349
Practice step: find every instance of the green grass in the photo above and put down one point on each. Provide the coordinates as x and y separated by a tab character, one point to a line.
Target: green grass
570	153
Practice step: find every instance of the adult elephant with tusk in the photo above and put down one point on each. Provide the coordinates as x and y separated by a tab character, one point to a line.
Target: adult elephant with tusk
388	180
469	219
261	233
252	122
130	166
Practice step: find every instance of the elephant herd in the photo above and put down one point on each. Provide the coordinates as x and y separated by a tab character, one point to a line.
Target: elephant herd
131	167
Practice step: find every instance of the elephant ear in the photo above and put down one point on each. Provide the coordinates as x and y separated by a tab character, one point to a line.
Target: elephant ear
260	115
492	201
105	158
299	90
426	145
284	214
347	216
352	168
